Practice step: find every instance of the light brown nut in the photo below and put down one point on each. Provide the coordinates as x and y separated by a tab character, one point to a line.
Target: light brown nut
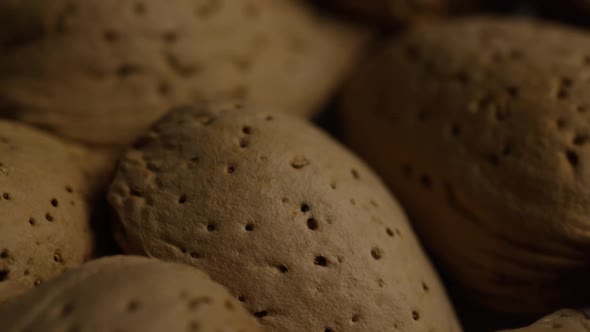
291	222
46	190
101	71
566	320
480	126
125	293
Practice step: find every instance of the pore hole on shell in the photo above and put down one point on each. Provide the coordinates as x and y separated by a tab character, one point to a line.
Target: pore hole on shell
32	221
376	253
389	232
425	286
127	69
164	88
229	305
110	36
49	217
320	261
246	130
312	224
572	157
132	306
580	139
57	258
415	315
211	227
207	8
6	196
182	199
194	326
249	227
196	302
304	207
170	37
4	275
283	268
139	8
356	318
54	202
230	169
513	91
261	314
299	162
69	189
355	174
243	143
328	329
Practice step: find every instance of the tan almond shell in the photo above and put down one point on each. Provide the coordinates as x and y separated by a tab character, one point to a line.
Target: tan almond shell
101	71
565	320
286	218
125	293
47	188
480	126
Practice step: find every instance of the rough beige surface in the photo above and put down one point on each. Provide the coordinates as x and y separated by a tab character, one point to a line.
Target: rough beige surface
565	320
127	293
101	71
293	224
46	187
404	11
481	127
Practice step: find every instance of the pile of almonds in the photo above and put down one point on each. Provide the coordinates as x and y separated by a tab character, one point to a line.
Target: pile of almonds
294	165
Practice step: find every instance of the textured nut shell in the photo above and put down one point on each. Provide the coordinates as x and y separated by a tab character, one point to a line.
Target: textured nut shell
46	187
480	127
101	71
127	293
562	320
283	216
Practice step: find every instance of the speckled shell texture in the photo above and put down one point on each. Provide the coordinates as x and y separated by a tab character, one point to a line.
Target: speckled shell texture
101	71
125	293
46	190
481	127
292	223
